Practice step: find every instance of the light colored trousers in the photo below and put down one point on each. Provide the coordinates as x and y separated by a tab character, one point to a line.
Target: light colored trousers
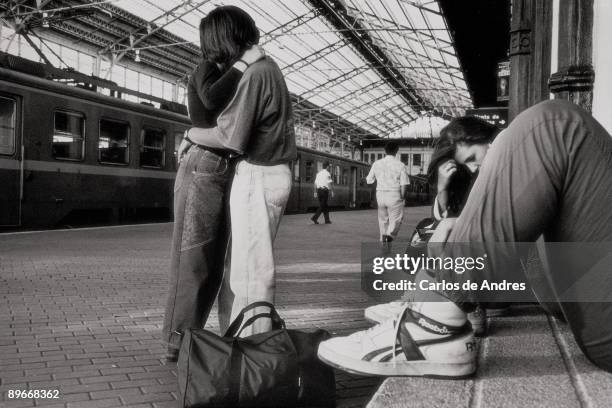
390	212
258	199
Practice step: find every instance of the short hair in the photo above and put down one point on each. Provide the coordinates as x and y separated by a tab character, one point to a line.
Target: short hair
391	148
225	33
326	164
470	130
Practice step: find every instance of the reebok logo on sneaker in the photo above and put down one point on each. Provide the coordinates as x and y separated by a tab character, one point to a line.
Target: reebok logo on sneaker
432	326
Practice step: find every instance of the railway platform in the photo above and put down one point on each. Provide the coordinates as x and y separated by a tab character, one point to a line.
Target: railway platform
81	313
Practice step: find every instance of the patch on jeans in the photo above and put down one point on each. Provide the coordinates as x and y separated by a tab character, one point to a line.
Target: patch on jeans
203	210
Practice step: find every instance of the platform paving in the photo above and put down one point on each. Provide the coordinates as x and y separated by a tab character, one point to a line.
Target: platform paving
81	311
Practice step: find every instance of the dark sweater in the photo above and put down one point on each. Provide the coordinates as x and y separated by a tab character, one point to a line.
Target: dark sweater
209	91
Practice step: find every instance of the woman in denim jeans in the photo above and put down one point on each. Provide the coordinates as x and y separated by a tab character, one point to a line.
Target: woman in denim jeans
200	235
258	125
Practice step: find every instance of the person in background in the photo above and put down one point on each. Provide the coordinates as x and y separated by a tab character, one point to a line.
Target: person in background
200	233
323	189
391	179
258	126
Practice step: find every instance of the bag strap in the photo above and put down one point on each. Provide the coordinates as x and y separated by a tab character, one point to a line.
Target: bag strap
235	371
277	322
233	328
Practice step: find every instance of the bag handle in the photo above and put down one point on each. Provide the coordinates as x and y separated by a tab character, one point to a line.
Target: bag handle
235	325
277	322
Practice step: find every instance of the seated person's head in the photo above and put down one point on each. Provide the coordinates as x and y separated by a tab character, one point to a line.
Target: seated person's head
461	181
470	137
391	148
225	33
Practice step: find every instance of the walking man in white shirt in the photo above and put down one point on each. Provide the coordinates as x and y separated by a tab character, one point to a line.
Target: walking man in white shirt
392	178
323	186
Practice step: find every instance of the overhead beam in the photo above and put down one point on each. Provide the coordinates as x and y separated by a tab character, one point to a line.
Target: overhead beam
356	34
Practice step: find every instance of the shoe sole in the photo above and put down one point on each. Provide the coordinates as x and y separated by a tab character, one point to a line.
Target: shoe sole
425	369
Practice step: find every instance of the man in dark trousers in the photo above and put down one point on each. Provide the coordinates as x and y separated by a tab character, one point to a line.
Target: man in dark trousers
323	185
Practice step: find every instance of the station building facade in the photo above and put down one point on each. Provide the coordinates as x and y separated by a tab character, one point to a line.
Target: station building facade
415	153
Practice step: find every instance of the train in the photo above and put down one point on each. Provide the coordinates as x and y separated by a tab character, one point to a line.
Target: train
71	155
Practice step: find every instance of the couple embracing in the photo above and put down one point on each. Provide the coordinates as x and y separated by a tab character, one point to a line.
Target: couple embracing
237	153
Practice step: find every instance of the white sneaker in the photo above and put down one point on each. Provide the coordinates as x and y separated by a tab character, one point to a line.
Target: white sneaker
412	345
384	311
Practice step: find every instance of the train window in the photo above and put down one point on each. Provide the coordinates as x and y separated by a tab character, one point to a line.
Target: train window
380	156
404	158
337	175
344	176
416	159
68	135
152	147
308	171
114	142
7	125
296	170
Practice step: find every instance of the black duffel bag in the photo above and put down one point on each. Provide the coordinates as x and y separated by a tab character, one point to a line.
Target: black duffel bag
278	368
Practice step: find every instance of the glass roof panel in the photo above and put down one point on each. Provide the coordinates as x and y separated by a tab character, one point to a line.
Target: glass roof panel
323	67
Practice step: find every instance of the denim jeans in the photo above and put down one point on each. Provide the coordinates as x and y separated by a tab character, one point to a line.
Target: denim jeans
549	173
257	201
199	241
390	212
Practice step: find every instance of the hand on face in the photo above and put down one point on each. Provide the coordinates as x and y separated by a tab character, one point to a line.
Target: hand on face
445	172
253	54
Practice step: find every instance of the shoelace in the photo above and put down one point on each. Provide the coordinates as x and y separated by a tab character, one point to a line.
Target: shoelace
391	323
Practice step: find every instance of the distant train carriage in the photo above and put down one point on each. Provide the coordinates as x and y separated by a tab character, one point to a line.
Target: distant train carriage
71	155
350	190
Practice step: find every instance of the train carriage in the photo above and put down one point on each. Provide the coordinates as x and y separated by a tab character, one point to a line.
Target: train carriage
350	190
70	155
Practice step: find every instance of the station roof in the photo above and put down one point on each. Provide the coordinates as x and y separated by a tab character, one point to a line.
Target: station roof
363	68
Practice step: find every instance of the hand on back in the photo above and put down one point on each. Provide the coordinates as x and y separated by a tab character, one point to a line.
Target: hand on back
253	54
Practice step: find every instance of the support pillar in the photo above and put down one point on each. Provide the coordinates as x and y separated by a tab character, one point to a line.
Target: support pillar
575	77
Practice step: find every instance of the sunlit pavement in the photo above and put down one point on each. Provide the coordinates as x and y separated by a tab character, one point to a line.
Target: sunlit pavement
81	313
